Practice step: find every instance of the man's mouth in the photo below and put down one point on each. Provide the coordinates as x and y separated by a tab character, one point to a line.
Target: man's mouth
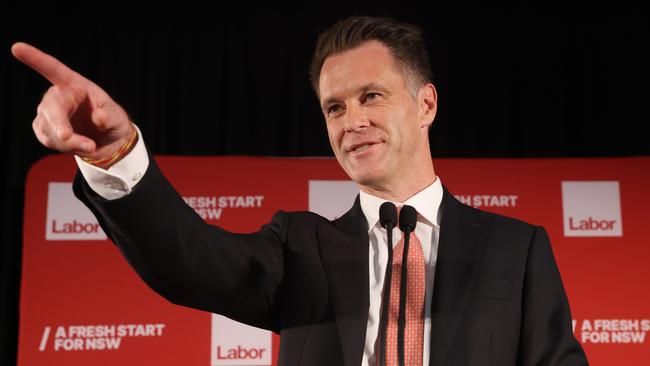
362	148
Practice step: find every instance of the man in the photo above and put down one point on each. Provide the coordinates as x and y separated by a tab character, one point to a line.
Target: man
491	292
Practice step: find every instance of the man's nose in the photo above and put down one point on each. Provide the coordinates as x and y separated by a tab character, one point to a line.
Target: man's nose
356	118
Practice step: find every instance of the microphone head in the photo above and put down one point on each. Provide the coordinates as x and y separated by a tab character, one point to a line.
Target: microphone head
407	218
388	215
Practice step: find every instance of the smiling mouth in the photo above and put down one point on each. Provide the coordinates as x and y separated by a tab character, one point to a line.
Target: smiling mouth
362	148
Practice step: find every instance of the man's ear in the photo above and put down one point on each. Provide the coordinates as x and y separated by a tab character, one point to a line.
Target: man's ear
427	104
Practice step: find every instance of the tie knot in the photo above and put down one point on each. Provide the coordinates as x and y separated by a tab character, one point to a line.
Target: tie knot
399	209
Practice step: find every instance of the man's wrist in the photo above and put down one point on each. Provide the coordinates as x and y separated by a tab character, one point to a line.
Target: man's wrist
120	153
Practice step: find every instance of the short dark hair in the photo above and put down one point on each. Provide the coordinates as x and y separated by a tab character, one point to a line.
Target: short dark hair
404	41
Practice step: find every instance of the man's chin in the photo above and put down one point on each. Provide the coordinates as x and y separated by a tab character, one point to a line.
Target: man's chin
366	178
369	172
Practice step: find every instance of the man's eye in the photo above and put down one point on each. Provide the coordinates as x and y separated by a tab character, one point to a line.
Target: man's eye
333	109
371	96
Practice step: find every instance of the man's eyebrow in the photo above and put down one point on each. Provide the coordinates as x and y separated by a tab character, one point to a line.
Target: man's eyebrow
362	89
374	86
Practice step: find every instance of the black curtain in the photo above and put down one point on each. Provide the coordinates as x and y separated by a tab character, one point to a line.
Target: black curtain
206	83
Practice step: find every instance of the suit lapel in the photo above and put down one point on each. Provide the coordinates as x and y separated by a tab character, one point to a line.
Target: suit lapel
460	249
345	250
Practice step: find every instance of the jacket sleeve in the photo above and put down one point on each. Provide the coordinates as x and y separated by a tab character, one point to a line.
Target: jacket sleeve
546	332
188	261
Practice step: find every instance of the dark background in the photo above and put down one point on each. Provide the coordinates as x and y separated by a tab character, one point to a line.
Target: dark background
204	83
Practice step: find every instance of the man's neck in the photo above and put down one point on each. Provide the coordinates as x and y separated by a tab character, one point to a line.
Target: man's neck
400	191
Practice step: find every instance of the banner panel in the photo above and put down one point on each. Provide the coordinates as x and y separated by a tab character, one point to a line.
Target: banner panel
82	304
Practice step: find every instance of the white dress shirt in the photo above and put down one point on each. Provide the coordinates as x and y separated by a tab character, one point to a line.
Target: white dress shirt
119	179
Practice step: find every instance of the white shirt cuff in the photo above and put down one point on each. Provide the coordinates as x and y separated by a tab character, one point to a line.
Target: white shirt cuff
119	179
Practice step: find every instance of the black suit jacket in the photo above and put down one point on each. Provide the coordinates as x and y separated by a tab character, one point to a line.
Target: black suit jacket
497	299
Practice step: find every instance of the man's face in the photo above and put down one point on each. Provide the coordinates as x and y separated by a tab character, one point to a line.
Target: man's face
376	127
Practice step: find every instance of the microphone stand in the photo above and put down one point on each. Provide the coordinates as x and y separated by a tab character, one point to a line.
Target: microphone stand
388	220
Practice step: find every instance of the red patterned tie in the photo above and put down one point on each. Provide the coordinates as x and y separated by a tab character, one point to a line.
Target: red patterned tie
414	328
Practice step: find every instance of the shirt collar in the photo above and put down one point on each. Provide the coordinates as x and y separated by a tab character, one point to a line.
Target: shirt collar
426	203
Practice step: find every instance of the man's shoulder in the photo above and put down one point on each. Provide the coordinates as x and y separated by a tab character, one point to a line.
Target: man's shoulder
312	219
350	222
305	215
301	218
501	223
507	236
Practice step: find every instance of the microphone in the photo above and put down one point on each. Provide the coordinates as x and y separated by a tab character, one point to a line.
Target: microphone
388	215
408	217
387	220
407	221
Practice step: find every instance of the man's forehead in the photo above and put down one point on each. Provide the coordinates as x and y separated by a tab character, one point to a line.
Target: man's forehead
340	93
369	65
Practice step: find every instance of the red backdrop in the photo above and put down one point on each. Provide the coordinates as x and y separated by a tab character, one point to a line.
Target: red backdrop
82	304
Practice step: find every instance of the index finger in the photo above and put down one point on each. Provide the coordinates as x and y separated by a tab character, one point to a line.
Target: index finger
51	68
